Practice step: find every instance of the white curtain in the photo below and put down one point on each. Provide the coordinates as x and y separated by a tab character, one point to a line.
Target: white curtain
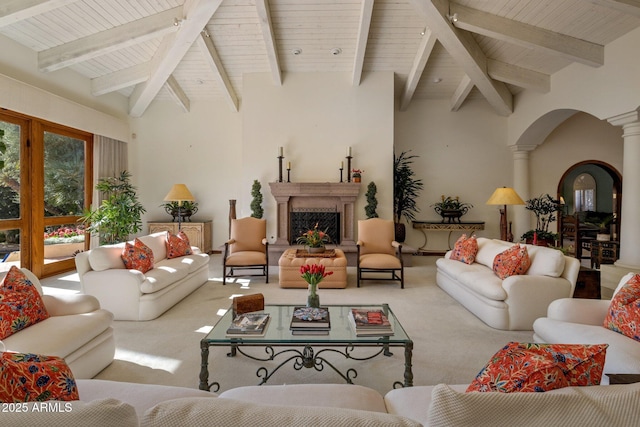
109	159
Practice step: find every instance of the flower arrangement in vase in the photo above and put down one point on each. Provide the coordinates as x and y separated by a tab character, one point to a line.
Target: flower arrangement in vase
314	239
313	274
356	174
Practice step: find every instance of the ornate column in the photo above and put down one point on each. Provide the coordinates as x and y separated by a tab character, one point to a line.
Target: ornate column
521	182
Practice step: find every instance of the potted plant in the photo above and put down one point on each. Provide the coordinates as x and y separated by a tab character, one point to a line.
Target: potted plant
602	221
356	174
372	202
256	202
314	239
183	209
119	214
406	188
451	208
544	208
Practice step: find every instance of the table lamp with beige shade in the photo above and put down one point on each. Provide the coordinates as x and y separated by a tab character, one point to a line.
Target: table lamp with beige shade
505	196
179	193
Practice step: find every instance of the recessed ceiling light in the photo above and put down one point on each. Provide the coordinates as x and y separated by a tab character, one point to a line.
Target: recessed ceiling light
336	51
296	51
437	80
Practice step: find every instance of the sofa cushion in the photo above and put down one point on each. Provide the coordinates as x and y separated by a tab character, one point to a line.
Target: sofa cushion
106	257
465	249
178	245
614	405
526	367
189	262
229	412
513	261
20	303
102	412
164	274
488	249
27	377
624	311
545	261
137	256
483	282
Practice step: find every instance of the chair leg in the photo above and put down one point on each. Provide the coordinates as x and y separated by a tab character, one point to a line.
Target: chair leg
266	273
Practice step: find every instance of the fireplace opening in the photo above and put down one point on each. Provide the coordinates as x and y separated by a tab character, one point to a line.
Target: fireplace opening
304	219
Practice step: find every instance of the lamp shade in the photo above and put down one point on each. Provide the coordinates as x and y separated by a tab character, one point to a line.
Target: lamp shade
179	193
505	196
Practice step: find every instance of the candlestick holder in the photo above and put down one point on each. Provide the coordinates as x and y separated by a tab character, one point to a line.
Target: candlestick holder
280	158
288	174
341	174
349	168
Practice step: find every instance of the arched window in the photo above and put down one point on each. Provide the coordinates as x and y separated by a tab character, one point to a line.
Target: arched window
584	193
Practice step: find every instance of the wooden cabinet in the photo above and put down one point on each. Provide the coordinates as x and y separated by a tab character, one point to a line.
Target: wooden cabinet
603	252
200	234
588	284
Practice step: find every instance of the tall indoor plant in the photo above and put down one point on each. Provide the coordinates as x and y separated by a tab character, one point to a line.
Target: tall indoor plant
119	214
406	188
545	208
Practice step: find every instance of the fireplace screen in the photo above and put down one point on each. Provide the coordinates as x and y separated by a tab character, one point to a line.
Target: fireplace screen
304	220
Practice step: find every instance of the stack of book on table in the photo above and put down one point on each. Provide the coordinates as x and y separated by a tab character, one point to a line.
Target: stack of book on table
249	324
310	321
370	322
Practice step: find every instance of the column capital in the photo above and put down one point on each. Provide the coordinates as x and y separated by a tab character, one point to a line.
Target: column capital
625	118
522	148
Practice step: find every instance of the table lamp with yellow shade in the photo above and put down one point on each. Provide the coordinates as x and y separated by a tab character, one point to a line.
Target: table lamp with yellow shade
505	196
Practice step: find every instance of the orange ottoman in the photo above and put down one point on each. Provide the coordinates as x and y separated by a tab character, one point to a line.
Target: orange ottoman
290	270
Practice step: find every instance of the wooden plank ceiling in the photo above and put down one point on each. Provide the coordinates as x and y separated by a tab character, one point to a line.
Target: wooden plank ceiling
199	49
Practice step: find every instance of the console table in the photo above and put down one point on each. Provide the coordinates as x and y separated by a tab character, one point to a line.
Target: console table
198	232
425	226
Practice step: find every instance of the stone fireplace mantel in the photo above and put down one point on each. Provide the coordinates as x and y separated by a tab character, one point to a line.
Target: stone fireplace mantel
340	196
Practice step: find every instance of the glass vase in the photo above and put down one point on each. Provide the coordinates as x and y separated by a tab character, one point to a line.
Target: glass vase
313	299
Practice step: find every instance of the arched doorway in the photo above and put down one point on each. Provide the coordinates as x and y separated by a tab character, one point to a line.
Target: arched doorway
608	190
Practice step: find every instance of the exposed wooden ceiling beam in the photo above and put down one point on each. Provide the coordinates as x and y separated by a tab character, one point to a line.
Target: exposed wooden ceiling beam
178	94
465	51
173	48
213	59
419	62
12	11
518	76
631	7
361	44
527	35
109	40
264	15
462	92
120	79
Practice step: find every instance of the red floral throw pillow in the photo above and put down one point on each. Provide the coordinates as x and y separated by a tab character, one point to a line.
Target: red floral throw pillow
513	261
530	367
178	245
137	256
624	311
20	303
31	377
465	249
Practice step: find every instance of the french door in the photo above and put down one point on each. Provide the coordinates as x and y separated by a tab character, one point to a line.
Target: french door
45	185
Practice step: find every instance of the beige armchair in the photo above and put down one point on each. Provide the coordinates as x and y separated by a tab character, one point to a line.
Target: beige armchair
378	252
247	249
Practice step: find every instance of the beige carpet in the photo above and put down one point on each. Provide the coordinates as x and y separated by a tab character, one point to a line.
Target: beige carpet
450	344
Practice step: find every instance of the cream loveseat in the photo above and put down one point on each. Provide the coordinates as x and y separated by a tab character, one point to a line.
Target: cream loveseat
581	321
517	301
133	295
107	403
77	330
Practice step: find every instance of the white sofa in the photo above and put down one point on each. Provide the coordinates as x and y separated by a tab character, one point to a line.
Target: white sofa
517	301
77	330
133	295
580	321
127	404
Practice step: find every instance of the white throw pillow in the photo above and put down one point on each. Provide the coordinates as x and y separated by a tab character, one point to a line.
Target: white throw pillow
106	257
545	261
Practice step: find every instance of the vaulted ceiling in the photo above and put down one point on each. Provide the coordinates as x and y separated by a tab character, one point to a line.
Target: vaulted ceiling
190	50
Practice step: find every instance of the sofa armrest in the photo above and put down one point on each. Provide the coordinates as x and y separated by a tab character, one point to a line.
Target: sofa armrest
64	305
578	310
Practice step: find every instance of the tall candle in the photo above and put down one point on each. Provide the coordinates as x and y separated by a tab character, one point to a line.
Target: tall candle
341	165
289	165
280	152
348	151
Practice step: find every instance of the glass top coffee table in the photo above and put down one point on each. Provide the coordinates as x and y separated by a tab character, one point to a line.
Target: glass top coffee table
302	347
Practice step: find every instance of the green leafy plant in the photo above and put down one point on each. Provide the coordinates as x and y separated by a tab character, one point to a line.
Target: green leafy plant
314	238
451	204
256	202
406	188
372	202
545	209
119	214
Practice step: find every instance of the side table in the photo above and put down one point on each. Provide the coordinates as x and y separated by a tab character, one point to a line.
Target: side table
588	284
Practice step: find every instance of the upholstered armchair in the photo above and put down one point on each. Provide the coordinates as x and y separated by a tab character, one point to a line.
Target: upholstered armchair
247	249
378	252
